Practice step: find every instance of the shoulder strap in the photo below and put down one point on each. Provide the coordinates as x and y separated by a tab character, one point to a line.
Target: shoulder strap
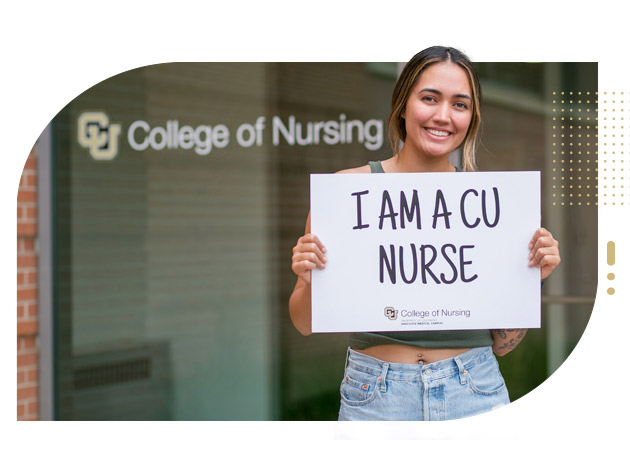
376	167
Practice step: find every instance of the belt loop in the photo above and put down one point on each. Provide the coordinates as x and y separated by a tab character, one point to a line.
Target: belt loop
347	356
383	377
462	372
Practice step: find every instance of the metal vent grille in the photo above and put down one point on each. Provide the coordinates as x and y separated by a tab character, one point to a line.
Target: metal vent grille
112	373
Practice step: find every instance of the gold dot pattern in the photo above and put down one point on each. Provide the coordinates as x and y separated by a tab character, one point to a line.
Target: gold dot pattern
615	145
590	146
575	148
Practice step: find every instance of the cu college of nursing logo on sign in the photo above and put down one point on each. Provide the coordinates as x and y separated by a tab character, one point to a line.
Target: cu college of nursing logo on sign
391	313
96	134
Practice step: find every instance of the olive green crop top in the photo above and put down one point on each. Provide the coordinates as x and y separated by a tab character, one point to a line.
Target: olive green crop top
427	339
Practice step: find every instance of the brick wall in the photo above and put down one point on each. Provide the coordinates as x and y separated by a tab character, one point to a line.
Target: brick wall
27	321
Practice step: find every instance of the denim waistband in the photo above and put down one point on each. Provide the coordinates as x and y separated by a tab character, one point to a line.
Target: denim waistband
414	372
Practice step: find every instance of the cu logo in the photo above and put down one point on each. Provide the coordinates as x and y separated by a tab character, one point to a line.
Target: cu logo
95	133
391	313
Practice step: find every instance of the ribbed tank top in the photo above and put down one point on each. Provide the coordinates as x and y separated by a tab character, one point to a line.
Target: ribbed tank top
427	339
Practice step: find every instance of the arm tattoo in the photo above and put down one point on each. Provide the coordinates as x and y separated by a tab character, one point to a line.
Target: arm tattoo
503	333
513	342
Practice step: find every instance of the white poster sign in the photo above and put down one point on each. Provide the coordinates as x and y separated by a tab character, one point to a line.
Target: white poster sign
425	251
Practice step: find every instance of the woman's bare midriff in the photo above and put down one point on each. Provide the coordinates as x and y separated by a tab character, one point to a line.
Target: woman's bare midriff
406	354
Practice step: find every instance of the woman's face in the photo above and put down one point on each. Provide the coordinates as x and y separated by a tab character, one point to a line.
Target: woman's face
438	111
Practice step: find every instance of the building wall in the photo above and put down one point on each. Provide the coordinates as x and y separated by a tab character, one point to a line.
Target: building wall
27	318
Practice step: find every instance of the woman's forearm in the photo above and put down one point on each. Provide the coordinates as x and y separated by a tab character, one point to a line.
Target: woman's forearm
506	340
300	307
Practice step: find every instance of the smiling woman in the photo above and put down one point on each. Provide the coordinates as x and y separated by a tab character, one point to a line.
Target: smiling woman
424	72
437	114
435	110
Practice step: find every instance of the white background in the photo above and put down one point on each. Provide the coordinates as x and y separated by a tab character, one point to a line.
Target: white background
53	51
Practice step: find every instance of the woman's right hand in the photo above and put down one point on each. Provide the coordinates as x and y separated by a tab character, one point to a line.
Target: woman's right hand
309	253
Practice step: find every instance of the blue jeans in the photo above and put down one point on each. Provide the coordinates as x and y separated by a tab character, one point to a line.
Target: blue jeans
463	386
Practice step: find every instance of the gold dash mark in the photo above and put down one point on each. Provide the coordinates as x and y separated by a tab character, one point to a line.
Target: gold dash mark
610	253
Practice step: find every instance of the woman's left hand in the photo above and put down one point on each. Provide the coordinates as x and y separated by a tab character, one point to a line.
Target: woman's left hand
543	252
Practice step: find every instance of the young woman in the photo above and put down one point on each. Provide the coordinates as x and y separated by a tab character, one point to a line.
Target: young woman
430	375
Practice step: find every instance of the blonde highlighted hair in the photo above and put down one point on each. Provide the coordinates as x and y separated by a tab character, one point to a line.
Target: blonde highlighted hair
408	79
